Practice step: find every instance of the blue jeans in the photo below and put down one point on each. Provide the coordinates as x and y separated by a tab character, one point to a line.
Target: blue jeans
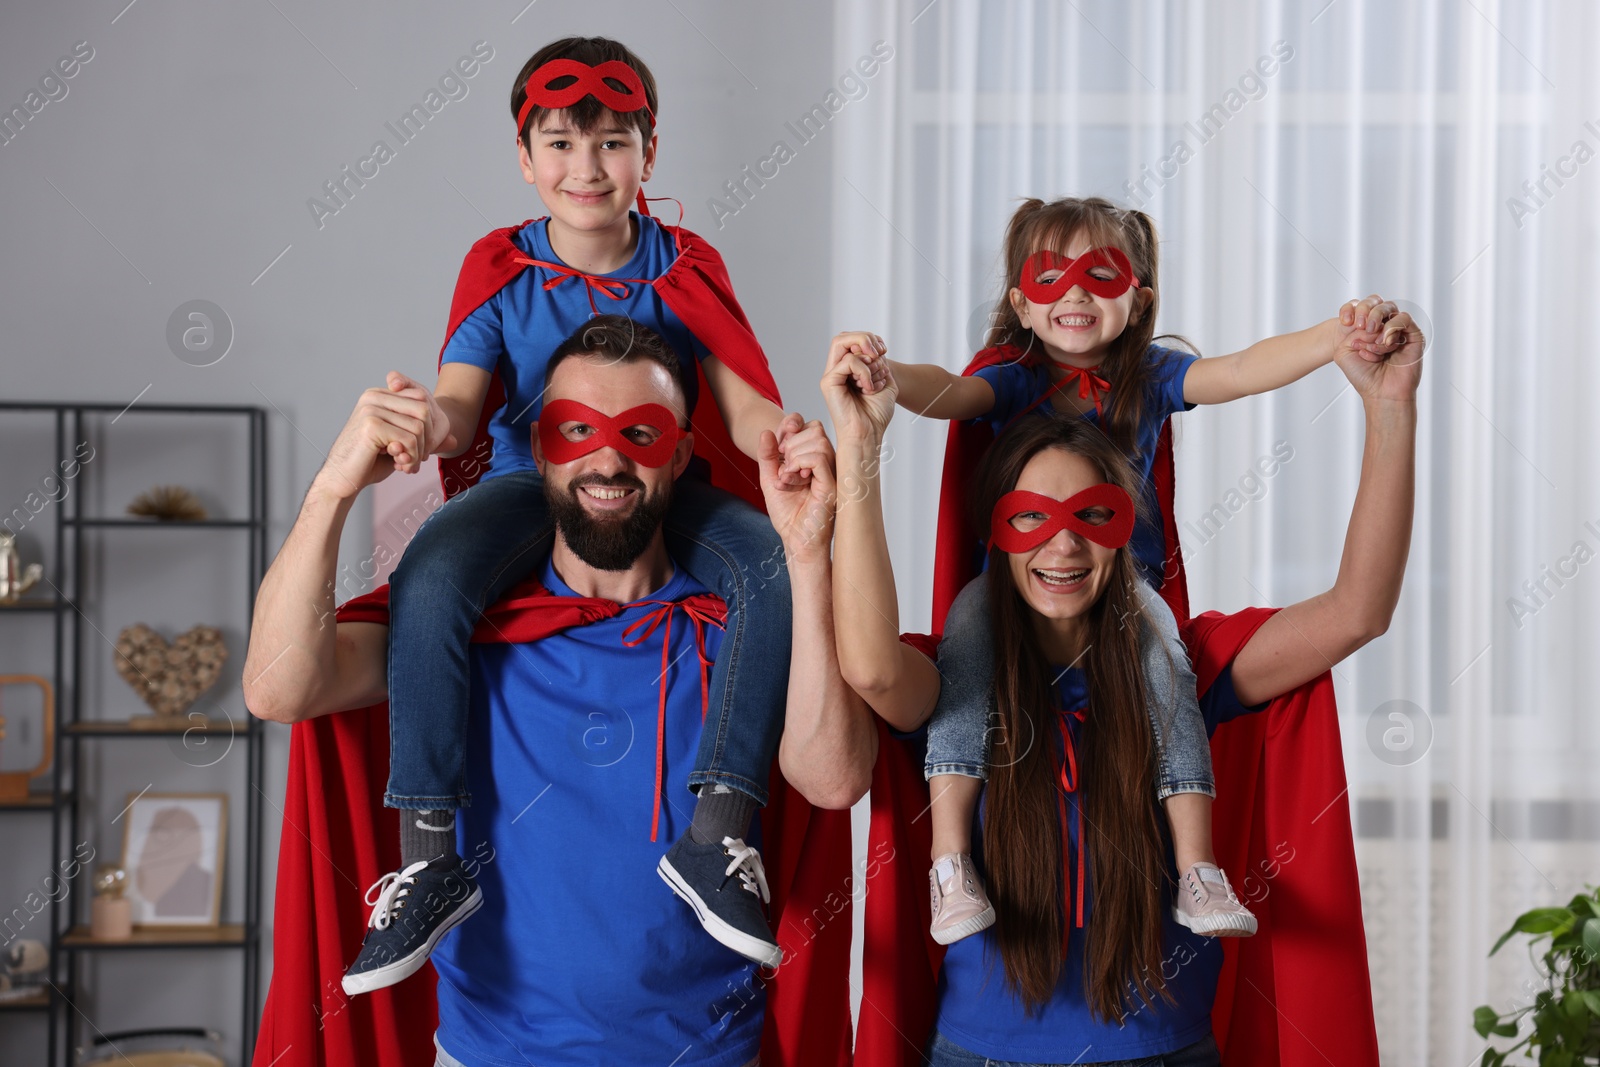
487	539
942	1052
958	732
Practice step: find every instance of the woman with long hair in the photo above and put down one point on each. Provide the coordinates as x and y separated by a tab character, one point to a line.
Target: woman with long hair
1084	963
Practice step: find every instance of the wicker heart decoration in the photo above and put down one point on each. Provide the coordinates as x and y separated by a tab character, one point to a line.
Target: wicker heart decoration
169	678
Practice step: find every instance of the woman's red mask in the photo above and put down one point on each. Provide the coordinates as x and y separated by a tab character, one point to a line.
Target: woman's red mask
591	81
610	431
1077	272
1062	515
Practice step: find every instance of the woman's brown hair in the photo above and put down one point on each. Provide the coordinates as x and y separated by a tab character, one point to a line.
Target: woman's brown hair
587	112
1122	829
1039	225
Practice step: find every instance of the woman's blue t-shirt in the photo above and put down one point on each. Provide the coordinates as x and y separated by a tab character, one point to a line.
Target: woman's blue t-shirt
516	330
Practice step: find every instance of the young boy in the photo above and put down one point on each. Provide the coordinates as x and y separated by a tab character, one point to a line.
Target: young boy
586	140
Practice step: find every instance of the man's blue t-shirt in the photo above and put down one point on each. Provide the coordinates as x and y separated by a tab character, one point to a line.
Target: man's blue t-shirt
1016	386
977	1012
580	953
516	330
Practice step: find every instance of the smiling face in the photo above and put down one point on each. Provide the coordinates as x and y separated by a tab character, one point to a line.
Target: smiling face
1064	577
587	180
1078	328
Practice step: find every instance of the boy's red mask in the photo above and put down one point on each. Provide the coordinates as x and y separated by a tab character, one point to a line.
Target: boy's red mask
1076	272
610	432
591	81
1062	515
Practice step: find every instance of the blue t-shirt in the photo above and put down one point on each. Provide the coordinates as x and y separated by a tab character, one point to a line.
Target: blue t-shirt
977	1012
517	329
580	953
1016	386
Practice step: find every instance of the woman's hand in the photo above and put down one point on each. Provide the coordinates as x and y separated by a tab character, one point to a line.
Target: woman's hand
1382	354
858	386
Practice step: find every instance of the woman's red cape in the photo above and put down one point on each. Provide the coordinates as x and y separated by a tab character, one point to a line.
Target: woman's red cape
338	838
1298	993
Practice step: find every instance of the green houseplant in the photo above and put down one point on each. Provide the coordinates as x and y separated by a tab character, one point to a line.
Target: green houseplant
1565	1013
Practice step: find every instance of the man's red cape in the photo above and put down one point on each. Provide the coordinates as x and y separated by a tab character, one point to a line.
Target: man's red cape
339	765
1298	993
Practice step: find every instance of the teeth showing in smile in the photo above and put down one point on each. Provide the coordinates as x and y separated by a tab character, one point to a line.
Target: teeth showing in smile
600	493
1062	577
1074	320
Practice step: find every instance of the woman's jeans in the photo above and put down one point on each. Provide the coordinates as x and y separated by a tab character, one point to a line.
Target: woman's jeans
959	731
942	1052
488	538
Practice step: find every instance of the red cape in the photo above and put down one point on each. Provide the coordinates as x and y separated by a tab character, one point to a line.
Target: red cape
1298	993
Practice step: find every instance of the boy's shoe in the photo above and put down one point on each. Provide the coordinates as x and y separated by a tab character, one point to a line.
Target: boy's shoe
1207	904
413	909
729	908
960	905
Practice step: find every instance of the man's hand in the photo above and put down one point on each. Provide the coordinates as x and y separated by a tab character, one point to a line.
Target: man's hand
383	425
859	388
437	437
1385	364
802	514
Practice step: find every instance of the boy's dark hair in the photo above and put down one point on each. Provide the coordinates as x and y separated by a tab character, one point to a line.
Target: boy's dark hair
619	339
587	112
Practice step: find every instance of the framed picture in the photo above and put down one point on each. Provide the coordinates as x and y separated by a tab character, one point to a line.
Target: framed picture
172	849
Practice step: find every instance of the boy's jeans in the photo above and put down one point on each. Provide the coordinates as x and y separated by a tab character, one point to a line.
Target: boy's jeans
958	732
487	539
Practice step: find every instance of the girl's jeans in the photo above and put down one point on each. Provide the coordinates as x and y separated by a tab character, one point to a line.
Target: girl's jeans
958	732
487	539
942	1052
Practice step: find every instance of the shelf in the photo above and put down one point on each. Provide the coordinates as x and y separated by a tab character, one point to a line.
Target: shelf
228	935
30	604
124	728
168	524
34	802
39	1001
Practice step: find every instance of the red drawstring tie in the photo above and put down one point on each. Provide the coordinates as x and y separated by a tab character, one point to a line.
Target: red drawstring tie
698	618
1090	386
615	288
1072	880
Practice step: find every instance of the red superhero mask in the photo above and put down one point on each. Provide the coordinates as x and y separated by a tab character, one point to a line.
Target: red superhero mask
1062	515
611	431
1077	272
591	81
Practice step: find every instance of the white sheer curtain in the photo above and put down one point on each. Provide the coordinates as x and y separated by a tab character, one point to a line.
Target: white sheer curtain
1330	150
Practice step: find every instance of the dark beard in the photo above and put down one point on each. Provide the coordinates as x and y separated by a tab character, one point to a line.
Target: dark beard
607	544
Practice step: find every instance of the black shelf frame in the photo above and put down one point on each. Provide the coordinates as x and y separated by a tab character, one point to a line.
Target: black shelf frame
62	802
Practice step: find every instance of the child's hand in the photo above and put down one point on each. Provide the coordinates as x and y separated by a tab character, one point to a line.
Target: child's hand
870	350
860	393
438	438
1367	327
797	439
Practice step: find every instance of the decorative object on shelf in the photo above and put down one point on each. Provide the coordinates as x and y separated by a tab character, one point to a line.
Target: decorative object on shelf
15	579
23	970
172	849
14	784
164	1047
169	678
1564	1015
168	503
111	913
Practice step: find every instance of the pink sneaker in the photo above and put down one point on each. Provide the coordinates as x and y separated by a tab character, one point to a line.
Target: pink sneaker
1207	904
960	906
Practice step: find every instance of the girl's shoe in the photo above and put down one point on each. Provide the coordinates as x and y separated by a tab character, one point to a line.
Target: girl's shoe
960	905
1207	904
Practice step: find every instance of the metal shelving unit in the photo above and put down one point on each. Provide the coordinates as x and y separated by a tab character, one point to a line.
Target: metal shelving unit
68	917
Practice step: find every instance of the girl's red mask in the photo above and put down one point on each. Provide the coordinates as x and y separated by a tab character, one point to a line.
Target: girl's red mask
610	432
591	81
1077	272
1062	515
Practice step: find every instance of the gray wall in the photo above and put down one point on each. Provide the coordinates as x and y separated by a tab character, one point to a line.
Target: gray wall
178	166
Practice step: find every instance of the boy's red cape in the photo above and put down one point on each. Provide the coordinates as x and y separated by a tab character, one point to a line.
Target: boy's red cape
338	838
1298	993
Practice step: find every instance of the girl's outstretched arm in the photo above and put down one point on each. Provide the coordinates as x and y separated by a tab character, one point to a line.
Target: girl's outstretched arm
898	682
1307	638
1277	361
935	393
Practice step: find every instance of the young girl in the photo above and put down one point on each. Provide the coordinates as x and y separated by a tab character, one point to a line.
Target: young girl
1076	330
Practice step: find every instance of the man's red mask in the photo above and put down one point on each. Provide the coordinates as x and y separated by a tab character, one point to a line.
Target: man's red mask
1062	515
591	81
610	431
1077	272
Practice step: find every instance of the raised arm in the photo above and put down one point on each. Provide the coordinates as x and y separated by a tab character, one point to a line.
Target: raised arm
300	664
935	393
1278	361
829	743
1307	638
900	683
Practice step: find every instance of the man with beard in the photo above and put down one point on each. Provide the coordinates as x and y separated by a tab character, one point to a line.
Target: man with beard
580	742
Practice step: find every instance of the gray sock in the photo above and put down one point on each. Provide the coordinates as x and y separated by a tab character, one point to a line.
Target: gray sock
427	835
721	812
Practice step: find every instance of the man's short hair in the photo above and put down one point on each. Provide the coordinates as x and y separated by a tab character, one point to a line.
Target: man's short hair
618	339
